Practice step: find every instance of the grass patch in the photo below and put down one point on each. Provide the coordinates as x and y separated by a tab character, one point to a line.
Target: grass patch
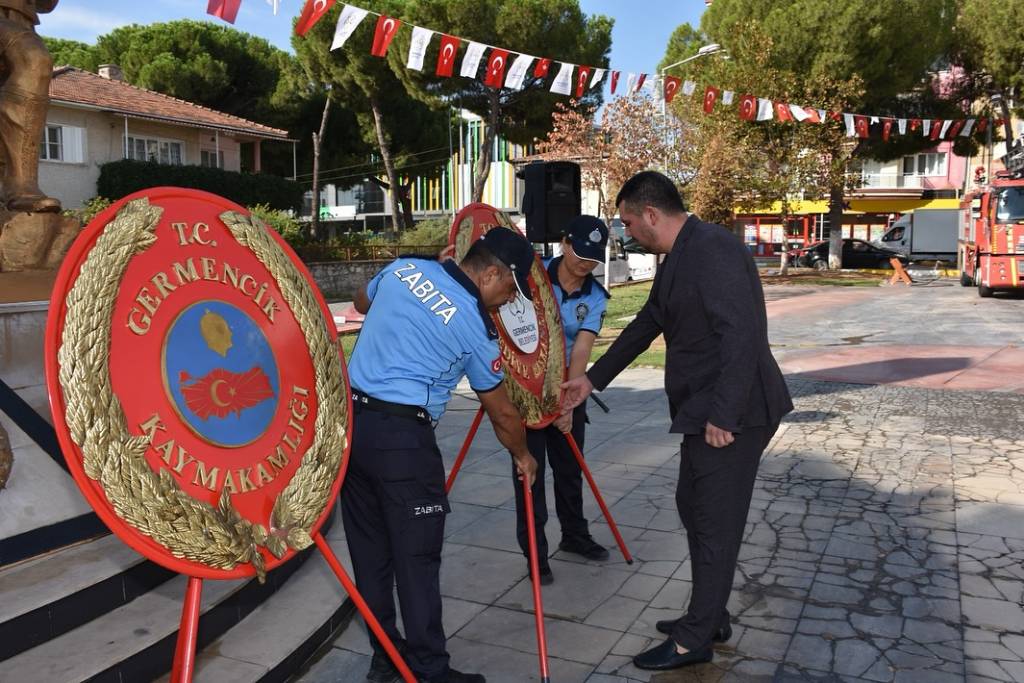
836	278
348	342
625	303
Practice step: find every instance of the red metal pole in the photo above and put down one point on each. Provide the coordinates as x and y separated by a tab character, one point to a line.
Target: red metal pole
185	651
465	449
597	494
363	608
538	604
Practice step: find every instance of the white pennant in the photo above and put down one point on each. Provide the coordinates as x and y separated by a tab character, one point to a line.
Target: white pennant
822	114
598	75
347	22
926	127
630	82
874	120
563	81
418	47
798	112
727	97
517	72
945	127
471	62
901	125
765	109
968	127
649	85
851	130
689	87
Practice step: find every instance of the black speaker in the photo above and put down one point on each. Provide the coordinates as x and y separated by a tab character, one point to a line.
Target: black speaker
552	198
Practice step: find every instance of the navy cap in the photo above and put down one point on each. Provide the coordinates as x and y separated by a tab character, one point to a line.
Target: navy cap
588	236
514	251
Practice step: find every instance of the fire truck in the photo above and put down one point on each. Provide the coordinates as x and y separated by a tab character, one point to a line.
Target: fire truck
991	243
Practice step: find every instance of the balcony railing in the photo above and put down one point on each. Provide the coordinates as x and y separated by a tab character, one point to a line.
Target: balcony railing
886	181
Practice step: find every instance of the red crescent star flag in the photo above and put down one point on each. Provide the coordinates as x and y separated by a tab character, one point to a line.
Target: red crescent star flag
386	29
541	70
221	392
914	124
615	80
710	97
446	55
886	129
812	115
670	88
982	125
225	9
936	129
639	82
748	107
582	78
783	112
860	124
954	129
496	67
311	13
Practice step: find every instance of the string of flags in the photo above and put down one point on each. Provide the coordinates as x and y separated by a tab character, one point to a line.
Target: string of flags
576	79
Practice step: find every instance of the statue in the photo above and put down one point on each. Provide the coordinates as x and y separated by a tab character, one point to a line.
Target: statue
33	234
23	100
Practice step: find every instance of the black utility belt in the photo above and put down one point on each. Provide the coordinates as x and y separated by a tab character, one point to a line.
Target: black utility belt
362	401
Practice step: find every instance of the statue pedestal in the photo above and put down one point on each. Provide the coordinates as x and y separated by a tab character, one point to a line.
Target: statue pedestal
34	241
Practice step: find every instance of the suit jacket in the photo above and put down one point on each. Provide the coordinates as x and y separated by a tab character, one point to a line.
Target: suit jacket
708	302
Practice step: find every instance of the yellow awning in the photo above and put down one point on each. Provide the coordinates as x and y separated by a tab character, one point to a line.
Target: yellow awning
863	205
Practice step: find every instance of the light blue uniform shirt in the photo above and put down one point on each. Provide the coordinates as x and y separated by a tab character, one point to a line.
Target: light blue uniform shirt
425	330
584	309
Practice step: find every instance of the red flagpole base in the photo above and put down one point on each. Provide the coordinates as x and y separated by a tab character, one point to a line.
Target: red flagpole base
465	449
538	604
185	651
364	609
600	499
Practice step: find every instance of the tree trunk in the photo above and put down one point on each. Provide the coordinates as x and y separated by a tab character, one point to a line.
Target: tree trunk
483	162
318	138
405	197
389	166
1004	109
835	222
784	258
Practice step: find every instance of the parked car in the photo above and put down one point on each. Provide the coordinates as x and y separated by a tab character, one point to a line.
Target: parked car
856	254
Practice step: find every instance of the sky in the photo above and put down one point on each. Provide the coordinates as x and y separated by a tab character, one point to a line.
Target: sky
638	39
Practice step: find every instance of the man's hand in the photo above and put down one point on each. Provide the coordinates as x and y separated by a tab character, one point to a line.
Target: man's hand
575	392
526	466
717	437
564	422
446	253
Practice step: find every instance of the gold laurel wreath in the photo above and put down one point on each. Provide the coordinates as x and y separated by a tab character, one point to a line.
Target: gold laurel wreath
151	502
530	407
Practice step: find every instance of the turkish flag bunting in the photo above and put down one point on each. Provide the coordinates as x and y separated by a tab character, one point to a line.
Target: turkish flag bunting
783	112
886	129
812	115
955	128
225	9
835	116
615	80
710	97
936	129
387	27
671	87
914	124
446	55
496	67
582	78
982	125
748	107
541	70
639	82
311	13
860	124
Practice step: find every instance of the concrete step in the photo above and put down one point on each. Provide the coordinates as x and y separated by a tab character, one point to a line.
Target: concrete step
273	642
48	596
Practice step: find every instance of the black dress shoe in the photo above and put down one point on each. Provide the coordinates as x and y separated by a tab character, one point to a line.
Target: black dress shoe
665	657
382	670
723	634
585	547
459	677
546	577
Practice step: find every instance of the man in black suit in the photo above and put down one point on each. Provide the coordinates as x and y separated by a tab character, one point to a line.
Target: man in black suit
726	394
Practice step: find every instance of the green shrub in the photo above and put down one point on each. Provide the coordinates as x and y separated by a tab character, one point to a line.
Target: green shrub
88	210
120	178
284	223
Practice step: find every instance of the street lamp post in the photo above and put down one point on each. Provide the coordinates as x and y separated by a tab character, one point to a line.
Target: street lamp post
710	49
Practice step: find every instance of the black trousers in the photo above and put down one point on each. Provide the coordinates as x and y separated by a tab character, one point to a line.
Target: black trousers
713	498
549	445
393	506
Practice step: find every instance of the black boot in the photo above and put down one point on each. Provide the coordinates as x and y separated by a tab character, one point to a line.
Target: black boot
665	657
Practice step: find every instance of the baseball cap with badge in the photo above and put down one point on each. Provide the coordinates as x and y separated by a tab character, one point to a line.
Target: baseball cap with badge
588	236
514	251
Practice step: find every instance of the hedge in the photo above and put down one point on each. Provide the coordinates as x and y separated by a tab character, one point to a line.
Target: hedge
120	178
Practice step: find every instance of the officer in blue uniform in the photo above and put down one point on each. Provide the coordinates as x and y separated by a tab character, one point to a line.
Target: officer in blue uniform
427	325
582	303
